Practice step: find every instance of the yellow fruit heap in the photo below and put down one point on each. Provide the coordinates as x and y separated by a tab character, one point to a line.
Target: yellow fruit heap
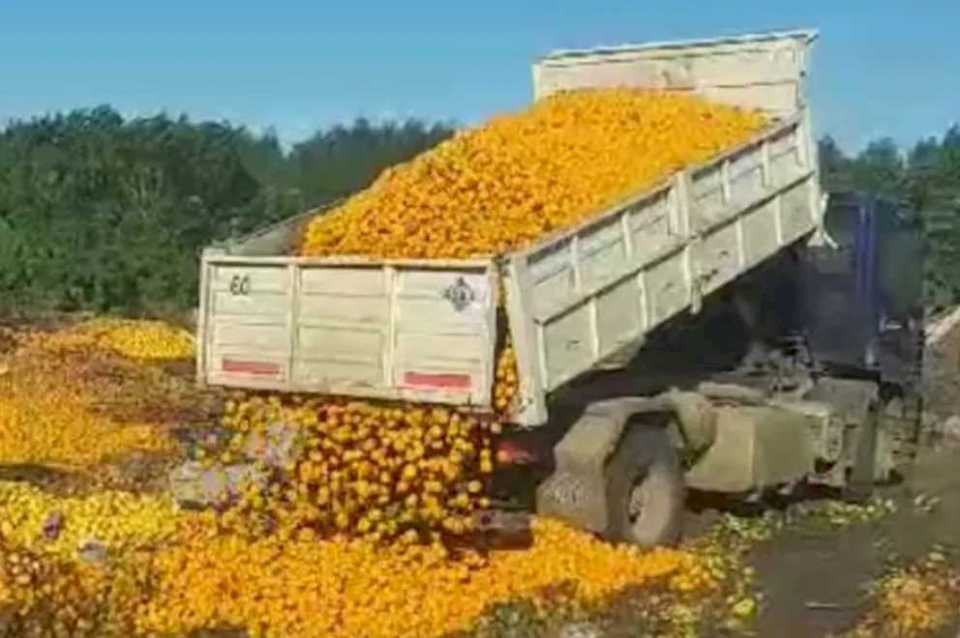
171	572
48	414
203	579
175	573
80	397
372	469
519	176
378	471
139	340
52	426
914	605
506	383
353	588
78	566
919	599
44	596
116	520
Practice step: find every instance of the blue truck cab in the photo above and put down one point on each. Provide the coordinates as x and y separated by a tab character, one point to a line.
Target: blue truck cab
863	292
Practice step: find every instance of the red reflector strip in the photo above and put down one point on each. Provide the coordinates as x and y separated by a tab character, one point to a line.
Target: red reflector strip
437	380
259	368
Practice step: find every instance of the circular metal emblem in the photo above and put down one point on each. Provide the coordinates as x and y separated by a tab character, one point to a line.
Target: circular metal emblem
460	294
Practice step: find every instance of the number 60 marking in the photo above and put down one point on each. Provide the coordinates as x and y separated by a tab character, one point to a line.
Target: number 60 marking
240	285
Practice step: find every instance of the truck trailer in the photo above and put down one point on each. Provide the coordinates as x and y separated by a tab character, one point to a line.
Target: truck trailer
730	329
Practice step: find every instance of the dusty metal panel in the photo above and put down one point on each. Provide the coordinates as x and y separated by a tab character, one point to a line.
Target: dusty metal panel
759	239
649	223
755	447
421	333
277	239
202	314
531	404
763	71
596	287
245	332
719	257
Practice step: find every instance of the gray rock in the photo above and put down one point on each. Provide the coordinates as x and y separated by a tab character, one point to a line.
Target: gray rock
92	551
192	484
580	630
950	431
278	446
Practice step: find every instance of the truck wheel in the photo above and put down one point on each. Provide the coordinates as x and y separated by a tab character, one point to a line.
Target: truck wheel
645	490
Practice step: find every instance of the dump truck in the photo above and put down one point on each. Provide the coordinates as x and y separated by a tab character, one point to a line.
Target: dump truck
669	342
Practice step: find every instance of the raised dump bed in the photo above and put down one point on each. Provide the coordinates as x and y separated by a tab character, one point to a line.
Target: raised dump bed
426	330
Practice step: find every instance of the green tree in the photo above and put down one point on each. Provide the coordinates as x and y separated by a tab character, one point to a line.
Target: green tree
109	214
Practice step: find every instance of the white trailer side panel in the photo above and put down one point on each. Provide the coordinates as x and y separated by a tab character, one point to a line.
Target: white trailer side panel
403	330
580	297
765	71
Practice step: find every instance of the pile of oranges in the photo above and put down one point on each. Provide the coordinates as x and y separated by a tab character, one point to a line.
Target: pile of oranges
138	340
127	564
376	470
115	520
918	599
350	587
56	400
368	470
508	182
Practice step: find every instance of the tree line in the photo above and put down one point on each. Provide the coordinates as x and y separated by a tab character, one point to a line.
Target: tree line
924	179
108	214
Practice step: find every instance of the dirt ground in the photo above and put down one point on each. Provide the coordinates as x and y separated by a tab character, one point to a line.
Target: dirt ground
814	579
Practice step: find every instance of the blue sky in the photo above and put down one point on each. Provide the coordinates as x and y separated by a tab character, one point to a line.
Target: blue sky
880	68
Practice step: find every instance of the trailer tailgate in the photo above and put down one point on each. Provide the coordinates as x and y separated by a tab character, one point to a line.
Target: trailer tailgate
419	331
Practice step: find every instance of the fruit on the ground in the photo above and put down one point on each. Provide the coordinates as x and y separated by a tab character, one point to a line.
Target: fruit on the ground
352	588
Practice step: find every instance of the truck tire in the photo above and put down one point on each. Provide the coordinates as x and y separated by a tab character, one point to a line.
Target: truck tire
645	490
